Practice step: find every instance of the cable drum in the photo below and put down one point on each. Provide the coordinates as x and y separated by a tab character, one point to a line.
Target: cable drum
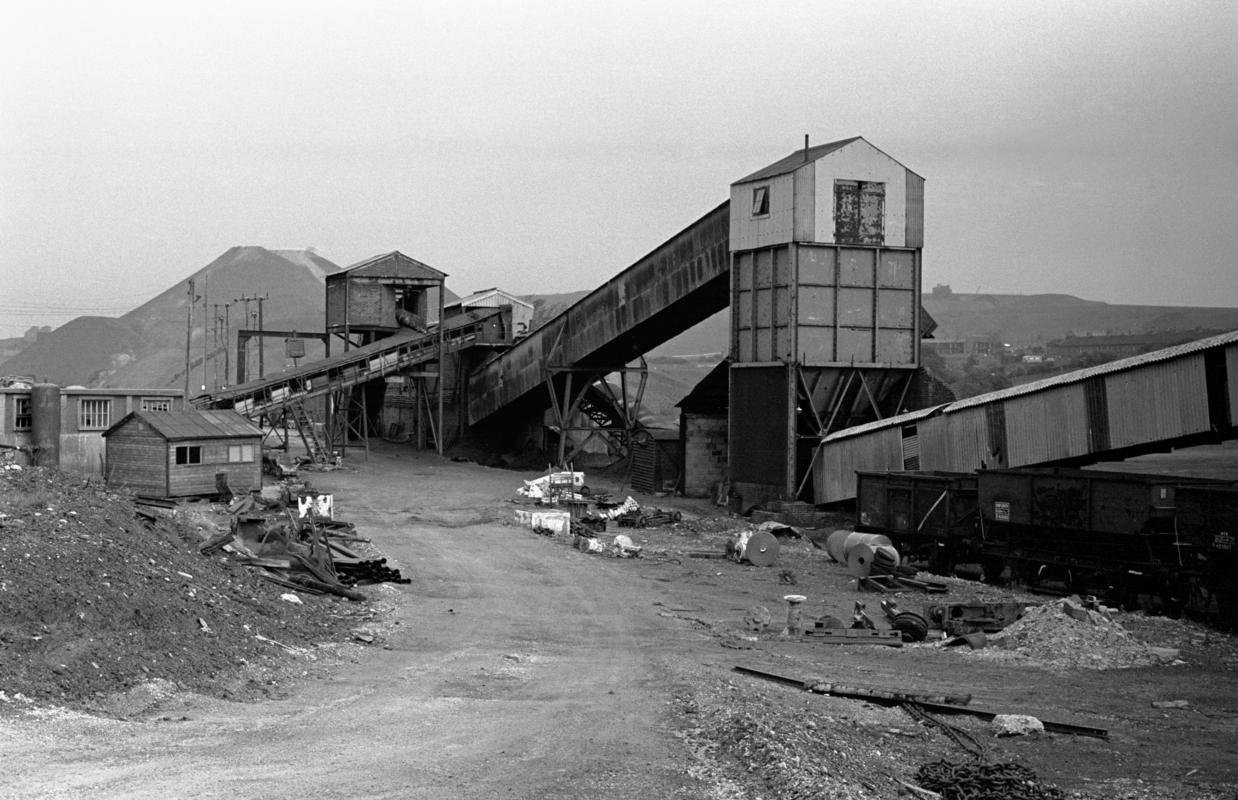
863	556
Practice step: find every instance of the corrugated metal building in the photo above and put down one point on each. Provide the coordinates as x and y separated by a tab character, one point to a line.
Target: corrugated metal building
825	290
1174	397
522	311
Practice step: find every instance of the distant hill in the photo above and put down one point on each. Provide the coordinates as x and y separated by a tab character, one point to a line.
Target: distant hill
1012	318
146	347
77	352
1038	318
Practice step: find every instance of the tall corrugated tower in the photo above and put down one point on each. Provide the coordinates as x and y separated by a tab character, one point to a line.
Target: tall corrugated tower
825	306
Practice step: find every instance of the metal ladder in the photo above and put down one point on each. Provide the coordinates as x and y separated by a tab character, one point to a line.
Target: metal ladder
305	429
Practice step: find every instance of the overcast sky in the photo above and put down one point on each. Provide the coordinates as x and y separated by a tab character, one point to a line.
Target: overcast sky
1087	148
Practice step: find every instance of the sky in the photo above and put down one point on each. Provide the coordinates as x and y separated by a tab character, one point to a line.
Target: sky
1082	148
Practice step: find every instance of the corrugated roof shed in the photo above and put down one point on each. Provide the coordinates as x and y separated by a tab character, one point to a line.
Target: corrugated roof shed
1045	383
192	424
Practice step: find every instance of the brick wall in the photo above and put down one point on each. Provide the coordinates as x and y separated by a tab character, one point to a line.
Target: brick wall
705	448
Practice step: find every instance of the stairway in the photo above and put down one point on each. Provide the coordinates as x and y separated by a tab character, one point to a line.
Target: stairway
306	429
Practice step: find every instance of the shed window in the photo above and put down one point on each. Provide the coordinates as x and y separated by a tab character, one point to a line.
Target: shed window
94	414
189	454
240	452
760	201
156	404
22	418
859	212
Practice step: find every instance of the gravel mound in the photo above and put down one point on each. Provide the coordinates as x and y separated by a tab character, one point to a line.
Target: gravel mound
1063	635
96	602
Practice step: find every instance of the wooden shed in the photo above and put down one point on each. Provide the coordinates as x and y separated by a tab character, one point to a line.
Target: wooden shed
183	453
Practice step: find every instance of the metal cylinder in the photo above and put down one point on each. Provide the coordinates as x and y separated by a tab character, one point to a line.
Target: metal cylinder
45	424
856	539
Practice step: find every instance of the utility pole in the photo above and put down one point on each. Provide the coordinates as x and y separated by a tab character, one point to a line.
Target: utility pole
261	339
244	324
188	335
254	322
217	320
227	355
205	297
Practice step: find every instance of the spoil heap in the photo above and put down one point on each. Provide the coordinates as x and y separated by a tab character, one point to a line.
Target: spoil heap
94	601
1064	635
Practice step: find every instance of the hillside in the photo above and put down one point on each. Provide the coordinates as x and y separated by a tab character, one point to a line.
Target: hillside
78	352
1039	318
146	346
1016	319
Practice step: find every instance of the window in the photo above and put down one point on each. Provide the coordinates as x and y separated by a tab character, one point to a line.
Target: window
760	201
189	454
22	418
859	212
240	452
94	414
156	404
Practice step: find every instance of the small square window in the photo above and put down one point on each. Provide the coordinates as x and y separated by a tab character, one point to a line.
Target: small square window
239	453
23	420
760	201
189	454
94	414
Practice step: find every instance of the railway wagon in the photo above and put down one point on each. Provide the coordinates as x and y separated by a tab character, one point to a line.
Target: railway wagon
930	516
1140	540
1207	522
1109	533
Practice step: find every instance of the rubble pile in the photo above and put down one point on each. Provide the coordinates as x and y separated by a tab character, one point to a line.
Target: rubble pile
96	600
1065	635
824	748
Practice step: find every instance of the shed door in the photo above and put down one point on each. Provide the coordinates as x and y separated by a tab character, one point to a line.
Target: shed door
859	212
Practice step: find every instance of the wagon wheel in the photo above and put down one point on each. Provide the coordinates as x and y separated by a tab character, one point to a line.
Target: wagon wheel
677	517
911	625
584	491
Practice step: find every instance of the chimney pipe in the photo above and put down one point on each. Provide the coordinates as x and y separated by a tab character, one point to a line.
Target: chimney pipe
805	148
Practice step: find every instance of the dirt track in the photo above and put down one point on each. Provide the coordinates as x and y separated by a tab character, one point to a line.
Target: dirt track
515	666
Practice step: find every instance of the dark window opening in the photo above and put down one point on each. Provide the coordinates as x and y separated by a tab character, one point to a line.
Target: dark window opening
189	454
23	419
760	201
859	212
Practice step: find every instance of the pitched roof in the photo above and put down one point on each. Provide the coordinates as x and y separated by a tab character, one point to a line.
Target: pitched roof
806	156
475	296
394	264
1078	376
797	159
193	424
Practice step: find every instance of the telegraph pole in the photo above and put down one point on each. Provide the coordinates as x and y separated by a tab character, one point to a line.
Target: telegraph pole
261	339
205	296
227	355
244	324
188	335
258	321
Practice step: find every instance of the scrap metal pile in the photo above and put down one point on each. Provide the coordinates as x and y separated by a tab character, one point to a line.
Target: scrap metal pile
563	501
295	543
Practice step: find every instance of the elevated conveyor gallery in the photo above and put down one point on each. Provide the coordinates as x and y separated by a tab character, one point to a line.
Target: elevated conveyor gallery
682	282
357	366
1177	397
